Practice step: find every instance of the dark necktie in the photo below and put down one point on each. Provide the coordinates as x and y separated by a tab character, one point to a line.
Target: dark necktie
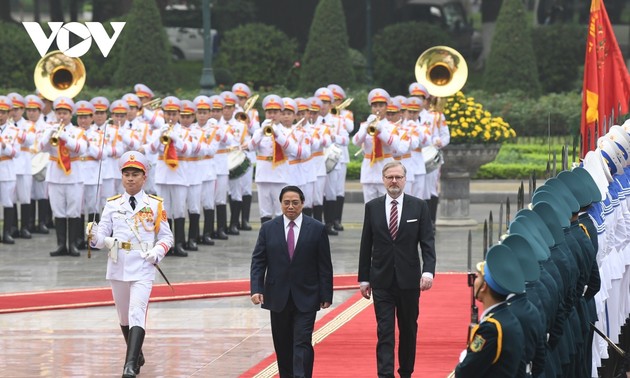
291	240
393	220
132	202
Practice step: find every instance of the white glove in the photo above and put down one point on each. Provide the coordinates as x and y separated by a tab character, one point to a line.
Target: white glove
92	232
151	256
164	128
371	118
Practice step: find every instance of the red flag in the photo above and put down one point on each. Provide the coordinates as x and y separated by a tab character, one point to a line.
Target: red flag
63	157
170	156
606	90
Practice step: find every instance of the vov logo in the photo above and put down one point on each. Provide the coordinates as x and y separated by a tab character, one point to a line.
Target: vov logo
88	32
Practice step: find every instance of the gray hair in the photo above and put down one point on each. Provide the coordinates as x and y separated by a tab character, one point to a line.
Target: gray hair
392	164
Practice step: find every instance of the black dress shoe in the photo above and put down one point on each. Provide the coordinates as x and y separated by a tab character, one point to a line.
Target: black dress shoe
191	245
233	230
179	251
81	245
205	240
25	234
330	230
7	238
337	226
220	234
61	251
245	226
41	229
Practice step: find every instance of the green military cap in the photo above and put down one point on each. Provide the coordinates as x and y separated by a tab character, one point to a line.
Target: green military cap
559	205
587	179
521	248
550	217
563	191
577	187
525	227
501	270
540	224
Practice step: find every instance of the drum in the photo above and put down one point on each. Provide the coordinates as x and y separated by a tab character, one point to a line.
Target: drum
238	164
432	158
332	155
39	164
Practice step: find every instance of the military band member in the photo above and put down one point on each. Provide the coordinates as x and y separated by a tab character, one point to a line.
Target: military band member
243	93
153	117
191	167
320	139
134	228
143	133
402	152
24	176
307	171
48	113
39	194
376	139
347	120
414	105
119	110
9	150
170	179
207	171
65	143
112	149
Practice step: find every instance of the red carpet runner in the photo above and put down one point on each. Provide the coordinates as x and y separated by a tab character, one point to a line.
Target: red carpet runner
350	351
102	296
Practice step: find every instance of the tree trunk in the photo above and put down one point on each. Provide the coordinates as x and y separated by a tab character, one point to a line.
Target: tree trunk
74	10
5	11
36	11
56	10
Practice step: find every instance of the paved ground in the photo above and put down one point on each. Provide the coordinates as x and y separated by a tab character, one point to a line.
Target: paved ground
201	338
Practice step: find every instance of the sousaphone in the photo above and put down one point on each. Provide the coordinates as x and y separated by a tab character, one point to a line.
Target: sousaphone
59	75
442	70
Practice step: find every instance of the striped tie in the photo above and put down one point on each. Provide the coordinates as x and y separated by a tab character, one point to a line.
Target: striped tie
393	220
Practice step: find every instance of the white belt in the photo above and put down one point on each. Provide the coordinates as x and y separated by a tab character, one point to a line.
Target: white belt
128	246
528	369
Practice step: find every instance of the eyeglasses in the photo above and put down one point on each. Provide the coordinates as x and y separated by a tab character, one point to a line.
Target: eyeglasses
291	203
392	178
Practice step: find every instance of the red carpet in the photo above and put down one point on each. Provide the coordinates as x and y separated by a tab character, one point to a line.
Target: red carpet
350	351
102	296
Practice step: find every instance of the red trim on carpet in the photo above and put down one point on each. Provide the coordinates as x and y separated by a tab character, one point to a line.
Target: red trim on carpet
351	350
102	296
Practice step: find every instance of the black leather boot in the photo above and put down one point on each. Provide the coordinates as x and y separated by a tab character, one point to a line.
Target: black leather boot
42	209
235	214
81	243
15	232
180	238
61	228
7	238
193	232
221	223
25	221
50	222
208	227
134	346
141	361
329	214
338	212
433	205
74	231
247	205
318	212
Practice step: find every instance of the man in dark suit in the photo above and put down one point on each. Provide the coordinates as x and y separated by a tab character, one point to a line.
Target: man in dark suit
389	267
291	275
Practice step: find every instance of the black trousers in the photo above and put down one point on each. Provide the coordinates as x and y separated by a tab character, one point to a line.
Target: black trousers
292	331
391	304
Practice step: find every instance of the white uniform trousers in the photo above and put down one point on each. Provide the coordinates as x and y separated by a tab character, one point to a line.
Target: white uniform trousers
207	194
318	191
247	180
340	185
269	199
65	199
193	199
132	301
107	190
371	191
307	189
7	193
220	191
23	187
419	186
90	203
332	182
149	185
39	190
174	197
431	182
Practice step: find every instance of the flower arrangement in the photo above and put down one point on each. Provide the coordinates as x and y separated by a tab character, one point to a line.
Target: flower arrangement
468	122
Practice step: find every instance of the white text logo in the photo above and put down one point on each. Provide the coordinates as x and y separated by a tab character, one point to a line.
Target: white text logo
61	31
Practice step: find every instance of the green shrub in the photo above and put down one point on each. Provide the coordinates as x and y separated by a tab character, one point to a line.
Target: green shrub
326	58
396	49
559	53
19	57
258	54
145	55
354	170
511	63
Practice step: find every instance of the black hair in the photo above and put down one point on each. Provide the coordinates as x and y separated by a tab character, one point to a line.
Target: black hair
291	188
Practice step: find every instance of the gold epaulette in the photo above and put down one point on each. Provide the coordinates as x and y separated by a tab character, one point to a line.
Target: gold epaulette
114	197
156	197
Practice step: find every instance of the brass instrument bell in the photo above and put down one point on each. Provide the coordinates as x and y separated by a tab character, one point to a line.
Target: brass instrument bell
58	75
442	70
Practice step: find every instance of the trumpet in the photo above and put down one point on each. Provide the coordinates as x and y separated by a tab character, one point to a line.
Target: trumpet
249	104
268	129
337	109
165	138
371	127
54	138
153	104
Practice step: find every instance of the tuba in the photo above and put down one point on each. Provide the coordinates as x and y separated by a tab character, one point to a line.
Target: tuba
58	75
442	70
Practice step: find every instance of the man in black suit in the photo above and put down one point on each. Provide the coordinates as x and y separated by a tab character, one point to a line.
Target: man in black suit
389	267
291	275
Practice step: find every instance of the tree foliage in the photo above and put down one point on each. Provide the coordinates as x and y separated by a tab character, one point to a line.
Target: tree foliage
19	57
396	49
145	51
258	54
512	63
326	57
